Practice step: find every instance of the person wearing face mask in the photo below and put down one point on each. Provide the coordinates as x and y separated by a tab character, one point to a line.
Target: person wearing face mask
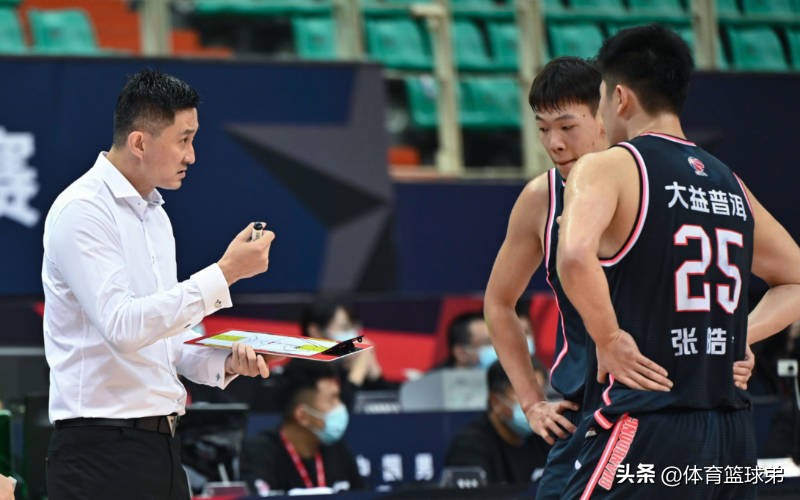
469	344
306	451
333	317
501	441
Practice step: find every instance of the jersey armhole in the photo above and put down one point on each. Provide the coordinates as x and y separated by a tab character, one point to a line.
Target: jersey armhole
551	212
644	201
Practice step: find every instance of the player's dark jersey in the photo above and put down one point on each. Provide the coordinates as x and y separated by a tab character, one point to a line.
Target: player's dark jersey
679	284
568	373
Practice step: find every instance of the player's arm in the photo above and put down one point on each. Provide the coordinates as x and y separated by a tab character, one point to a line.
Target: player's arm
776	260
591	200
517	260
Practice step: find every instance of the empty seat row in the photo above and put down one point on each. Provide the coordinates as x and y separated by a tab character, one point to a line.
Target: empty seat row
64	31
483	102
401	43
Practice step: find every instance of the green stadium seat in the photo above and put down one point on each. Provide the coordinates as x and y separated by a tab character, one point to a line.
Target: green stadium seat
600	6
469	49
422	92
397	43
574	39
483	102
12	40
756	49
553	6
728	9
793	37
489	4
260	8
661	7
768	7
64	31
314	37
490	102
504	41
687	33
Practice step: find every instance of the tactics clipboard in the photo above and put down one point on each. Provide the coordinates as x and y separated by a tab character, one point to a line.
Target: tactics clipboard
292	346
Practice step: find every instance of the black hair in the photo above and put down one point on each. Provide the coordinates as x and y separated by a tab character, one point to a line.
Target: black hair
654	61
300	382
497	379
565	80
323	309
458	333
148	101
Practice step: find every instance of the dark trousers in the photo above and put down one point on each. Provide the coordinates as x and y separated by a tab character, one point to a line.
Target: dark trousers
87	463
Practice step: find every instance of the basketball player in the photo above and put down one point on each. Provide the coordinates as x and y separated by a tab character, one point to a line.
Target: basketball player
564	97
656	244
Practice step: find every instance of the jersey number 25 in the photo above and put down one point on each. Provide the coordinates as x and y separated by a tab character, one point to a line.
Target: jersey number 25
728	299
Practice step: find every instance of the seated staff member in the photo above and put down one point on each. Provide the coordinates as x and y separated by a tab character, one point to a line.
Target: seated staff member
501	441
306	451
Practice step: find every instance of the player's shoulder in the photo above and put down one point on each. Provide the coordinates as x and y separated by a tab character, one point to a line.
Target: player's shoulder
603	163
537	190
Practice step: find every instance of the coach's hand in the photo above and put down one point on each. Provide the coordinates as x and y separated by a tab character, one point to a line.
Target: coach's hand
619	356
245	258
743	369
546	419
243	360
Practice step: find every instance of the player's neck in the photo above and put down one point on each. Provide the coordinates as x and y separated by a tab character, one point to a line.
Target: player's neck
304	441
503	431
663	123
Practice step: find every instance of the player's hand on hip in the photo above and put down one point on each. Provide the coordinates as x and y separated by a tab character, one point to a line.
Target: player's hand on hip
743	369
243	360
620	357
546	419
245	257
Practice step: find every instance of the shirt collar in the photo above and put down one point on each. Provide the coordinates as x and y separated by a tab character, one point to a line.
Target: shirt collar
120	187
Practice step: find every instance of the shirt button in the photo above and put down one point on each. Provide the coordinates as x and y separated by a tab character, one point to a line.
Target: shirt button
218	304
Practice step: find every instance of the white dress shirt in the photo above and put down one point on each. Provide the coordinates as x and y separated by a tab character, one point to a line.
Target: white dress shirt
115	315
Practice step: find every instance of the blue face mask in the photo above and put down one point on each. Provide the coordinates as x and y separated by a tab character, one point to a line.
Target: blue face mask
486	356
531	346
518	421
335	423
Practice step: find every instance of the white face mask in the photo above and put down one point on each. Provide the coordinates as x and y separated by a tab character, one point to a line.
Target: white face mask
343	335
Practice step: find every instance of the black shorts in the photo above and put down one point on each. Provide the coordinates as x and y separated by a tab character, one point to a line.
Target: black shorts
685	455
561	460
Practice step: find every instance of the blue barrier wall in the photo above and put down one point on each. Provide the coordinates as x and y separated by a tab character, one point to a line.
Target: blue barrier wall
293	143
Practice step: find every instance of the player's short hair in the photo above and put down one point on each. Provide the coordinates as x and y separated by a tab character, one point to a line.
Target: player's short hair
300	383
654	61
148	102
564	81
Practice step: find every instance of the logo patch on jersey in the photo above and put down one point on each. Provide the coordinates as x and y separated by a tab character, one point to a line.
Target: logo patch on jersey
698	166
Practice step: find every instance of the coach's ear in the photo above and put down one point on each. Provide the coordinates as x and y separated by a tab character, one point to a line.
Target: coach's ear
136	143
